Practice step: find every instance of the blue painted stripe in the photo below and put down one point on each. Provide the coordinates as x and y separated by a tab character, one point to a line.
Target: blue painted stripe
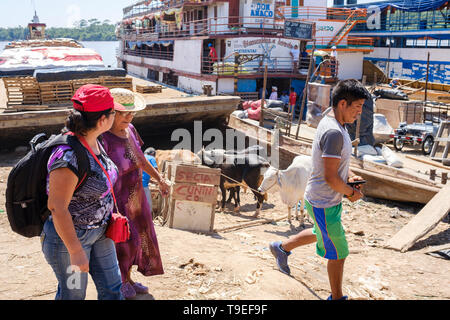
406	60
330	249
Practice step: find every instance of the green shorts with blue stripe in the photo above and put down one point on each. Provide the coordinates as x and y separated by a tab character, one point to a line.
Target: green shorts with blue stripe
331	241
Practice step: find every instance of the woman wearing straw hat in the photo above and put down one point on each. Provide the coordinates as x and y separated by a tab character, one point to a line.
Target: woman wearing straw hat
123	145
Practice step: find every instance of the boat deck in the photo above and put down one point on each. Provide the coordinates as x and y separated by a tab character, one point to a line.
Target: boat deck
168	109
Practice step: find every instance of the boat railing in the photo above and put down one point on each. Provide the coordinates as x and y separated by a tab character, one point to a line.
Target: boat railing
227	66
211	27
220	27
320	13
324	42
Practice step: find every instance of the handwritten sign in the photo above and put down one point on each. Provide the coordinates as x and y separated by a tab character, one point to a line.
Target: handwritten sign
197	175
193	192
298	30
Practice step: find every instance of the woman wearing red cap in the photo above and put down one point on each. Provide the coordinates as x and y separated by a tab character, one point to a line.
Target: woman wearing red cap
73	239
123	145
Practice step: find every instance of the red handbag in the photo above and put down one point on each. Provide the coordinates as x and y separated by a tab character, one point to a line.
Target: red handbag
118	228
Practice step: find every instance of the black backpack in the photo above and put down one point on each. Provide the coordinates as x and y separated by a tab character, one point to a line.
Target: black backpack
26	196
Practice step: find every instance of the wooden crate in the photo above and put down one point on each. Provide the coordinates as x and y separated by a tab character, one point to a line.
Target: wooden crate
56	92
76	84
22	91
117	82
193	197
148	89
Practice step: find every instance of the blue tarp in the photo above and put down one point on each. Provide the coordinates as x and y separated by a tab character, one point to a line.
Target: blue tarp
406	5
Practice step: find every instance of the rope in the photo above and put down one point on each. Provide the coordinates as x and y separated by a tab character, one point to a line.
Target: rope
241	184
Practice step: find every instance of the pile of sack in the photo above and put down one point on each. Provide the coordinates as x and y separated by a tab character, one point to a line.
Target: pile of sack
382	155
252	109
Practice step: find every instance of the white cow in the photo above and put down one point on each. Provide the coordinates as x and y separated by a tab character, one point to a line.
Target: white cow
291	183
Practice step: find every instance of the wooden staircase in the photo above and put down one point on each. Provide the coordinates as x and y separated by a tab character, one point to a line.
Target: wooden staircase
357	16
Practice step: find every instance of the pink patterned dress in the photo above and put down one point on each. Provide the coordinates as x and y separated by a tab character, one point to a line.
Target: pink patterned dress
142	248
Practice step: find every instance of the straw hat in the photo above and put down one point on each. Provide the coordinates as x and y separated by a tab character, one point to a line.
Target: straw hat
128	100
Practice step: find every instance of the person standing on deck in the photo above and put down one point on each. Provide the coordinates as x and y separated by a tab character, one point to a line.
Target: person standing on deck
331	153
292	100
212	56
295	54
274	94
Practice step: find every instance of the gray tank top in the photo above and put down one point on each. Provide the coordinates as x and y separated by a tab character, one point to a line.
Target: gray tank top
331	141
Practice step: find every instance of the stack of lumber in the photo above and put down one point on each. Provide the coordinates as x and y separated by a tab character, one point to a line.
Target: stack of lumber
56	92
148	89
76	84
117	82
26	91
22	90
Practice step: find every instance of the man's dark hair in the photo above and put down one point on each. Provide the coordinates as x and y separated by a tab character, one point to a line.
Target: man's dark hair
349	90
292	89
150	151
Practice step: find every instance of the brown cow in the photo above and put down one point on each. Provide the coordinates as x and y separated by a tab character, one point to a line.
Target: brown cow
178	155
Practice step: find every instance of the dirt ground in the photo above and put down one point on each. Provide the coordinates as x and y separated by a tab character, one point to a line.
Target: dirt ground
239	265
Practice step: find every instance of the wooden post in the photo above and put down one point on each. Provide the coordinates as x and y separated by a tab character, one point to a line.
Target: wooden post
444	177
305	90
426	81
236	71
263	100
432	174
358	127
388	61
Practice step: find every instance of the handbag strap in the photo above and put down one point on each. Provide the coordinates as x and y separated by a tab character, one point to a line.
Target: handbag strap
84	142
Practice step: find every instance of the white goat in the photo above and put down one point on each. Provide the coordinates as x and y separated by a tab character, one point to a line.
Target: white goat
291	183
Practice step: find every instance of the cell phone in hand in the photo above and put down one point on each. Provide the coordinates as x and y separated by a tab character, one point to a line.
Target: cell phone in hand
356	183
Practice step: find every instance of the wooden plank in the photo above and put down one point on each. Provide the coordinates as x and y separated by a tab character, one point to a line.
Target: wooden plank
432	163
437	248
384	187
388	171
250	224
423	222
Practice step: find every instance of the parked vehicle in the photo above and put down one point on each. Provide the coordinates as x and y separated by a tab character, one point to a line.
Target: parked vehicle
416	134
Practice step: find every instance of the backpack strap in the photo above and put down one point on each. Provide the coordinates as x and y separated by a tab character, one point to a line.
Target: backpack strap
84	167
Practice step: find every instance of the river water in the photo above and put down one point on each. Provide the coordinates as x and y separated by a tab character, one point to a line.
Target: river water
107	49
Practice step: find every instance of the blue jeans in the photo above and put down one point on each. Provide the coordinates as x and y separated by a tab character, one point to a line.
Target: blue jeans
103	264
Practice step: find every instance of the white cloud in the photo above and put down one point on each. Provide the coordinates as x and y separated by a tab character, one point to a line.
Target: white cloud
74	14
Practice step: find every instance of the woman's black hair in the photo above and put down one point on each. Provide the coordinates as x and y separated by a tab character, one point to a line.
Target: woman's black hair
80	122
350	91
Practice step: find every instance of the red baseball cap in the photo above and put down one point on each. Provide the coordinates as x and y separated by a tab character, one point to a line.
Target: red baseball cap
93	98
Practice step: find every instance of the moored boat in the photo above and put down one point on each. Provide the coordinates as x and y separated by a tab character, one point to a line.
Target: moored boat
383	182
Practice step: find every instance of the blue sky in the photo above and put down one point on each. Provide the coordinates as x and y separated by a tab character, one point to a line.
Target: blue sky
59	13
62	13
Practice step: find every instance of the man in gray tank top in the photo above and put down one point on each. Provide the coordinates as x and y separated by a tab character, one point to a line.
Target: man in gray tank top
331	154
